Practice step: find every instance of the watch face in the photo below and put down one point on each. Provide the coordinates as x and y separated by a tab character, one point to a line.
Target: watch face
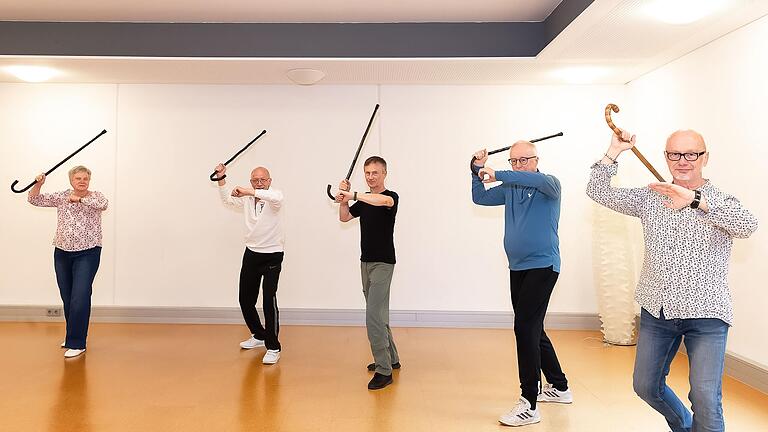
696	199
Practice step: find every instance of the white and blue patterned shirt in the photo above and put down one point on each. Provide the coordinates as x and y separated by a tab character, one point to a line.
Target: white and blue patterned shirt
685	270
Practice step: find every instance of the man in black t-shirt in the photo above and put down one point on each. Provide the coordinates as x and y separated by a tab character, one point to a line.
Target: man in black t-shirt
377	210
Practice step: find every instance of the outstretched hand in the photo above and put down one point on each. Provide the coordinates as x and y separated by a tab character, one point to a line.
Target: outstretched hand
677	196
242	191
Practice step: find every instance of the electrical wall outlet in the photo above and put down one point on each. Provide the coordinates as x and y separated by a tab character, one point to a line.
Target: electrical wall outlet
53	312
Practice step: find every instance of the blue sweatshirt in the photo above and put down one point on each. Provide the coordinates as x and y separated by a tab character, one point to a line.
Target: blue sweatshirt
531	203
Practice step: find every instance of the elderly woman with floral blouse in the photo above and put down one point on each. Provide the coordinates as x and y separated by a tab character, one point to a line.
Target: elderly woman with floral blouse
77	249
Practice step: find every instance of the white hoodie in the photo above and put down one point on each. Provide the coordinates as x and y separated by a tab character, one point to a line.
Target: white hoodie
262	218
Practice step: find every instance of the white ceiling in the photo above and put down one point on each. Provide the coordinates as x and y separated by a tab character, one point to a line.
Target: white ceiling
613	35
277	10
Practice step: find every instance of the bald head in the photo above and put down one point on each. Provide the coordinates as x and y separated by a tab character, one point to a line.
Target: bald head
260	171
260	178
689	139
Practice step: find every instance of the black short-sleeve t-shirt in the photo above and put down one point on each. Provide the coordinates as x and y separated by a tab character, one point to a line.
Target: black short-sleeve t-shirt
377	229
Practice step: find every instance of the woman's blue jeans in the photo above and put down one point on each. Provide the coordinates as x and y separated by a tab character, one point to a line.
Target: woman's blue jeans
75	272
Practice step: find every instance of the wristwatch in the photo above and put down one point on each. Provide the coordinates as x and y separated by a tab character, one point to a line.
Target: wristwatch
696	199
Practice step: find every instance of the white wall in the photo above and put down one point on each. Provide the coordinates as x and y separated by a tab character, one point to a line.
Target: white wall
169	242
39	126
721	91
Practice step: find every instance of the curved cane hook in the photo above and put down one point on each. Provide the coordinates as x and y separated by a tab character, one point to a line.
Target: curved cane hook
617	131
15	182
614	128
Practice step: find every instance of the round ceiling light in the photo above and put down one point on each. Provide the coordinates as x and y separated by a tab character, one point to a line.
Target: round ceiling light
305	76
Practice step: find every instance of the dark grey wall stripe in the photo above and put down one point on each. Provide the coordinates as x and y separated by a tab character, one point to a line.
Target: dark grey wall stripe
272	40
342	40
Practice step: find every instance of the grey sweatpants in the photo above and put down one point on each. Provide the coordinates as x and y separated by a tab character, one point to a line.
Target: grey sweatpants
377	277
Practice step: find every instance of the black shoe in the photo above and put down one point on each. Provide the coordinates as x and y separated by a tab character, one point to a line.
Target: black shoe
372	366
379	381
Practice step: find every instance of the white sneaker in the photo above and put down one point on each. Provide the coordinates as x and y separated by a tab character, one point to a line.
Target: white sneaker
251	343
521	414
73	352
271	357
549	393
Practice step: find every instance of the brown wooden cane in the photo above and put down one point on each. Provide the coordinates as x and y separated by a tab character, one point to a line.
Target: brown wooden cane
637	153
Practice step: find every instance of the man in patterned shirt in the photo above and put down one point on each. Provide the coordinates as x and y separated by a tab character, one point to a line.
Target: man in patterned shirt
689	226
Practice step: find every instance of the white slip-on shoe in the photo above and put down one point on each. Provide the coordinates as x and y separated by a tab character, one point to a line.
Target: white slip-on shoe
251	343
73	352
549	393
521	414
271	357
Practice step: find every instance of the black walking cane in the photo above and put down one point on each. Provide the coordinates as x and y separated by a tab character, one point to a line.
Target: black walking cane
357	153
15	182
476	169
213	176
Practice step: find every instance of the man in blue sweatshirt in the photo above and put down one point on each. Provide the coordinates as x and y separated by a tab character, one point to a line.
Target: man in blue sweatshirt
531	203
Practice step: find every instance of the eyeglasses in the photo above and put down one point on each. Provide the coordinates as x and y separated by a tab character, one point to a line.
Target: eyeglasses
260	180
522	160
690	157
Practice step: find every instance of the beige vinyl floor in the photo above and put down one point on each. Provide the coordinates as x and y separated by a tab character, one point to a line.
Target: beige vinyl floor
162	377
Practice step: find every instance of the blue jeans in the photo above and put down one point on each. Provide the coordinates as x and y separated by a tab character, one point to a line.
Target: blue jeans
705	344
75	272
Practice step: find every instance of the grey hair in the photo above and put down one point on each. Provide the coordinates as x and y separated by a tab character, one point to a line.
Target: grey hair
78	169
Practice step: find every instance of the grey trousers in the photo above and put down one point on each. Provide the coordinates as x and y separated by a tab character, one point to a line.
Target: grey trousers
377	277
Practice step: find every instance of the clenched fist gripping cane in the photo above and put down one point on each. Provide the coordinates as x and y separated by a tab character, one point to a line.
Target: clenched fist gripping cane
637	153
